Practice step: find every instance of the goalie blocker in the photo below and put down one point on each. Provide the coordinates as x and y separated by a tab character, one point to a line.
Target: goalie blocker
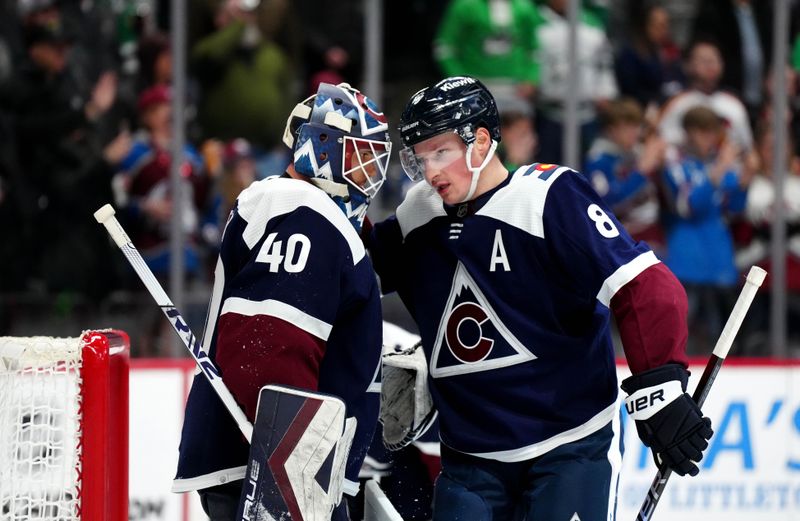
298	455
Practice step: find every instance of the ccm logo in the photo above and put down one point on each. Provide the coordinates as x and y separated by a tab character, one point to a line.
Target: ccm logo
643	402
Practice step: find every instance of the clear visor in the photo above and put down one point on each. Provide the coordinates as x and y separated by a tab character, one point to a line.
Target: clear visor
416	165
365	163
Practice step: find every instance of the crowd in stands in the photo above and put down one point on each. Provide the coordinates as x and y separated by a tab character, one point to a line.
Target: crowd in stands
666	129
674	112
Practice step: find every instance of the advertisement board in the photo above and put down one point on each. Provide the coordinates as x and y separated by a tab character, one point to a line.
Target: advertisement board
750	472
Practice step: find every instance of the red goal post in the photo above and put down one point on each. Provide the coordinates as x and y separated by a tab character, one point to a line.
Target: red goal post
64	427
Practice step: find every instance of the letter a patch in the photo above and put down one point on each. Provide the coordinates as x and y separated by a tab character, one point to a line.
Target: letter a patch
471	337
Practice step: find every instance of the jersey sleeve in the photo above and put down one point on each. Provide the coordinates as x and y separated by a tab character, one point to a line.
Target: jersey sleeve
651	313
648	302
588	240
646	299
385	243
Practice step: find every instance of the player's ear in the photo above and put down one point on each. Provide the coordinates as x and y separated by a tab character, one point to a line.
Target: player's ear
483	140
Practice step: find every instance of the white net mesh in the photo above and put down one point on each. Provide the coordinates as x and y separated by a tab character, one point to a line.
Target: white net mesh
39	428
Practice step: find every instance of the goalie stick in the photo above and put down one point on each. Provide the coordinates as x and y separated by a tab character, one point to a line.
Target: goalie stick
105	216
753	281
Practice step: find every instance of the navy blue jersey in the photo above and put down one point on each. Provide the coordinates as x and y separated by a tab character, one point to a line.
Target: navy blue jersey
511	294
296	303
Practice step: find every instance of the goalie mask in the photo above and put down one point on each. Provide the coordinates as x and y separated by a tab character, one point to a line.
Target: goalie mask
458	104
341	142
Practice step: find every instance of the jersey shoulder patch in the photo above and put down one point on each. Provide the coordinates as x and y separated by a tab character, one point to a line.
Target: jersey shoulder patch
421	205
269	198
521	202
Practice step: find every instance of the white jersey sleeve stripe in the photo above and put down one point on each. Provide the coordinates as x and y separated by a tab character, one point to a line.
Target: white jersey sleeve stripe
277	309
624	274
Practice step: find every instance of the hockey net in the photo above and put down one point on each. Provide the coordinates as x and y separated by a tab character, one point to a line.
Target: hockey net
64	427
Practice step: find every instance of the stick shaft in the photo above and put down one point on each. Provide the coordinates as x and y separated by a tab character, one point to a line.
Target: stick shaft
753	281
106	216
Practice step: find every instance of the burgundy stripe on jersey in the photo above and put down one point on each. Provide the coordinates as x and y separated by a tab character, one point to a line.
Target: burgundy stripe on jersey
651	313
253	351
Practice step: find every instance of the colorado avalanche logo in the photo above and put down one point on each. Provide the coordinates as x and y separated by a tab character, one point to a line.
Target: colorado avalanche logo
471	337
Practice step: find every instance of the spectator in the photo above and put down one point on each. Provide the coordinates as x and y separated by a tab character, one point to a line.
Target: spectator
335	60
245	80
10	39
331	44
792	84
493	40
703	184
621	167
65	157
518	144
756	231
144	191
154	54
743	32
796	53
16	214
648	66
704	68
235	172
155	61
596	83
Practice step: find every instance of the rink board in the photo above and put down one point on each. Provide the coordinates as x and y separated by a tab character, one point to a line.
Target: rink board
750	472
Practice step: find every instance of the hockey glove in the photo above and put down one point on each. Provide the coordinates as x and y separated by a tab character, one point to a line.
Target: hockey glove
667	419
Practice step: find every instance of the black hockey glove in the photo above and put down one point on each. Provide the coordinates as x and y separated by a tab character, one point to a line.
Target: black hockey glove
667	419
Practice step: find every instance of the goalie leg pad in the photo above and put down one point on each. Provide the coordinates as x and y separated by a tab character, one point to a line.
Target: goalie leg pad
298	455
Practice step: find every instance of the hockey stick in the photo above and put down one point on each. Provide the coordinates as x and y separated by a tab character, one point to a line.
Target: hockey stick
105	216
753	281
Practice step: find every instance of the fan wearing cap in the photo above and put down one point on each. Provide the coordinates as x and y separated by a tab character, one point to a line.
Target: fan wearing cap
512	279
295	298
143	192
704	185
143	183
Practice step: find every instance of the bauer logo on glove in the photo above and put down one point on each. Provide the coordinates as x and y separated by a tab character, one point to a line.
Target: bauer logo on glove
667	419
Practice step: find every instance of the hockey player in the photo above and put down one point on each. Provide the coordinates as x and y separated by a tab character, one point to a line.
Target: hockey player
295	300
512	279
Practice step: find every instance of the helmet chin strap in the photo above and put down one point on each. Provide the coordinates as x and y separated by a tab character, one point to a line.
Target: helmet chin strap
476	171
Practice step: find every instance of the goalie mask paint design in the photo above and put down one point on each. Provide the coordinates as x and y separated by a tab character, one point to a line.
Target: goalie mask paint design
341	142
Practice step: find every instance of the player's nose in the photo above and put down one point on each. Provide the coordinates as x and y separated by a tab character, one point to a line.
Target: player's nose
432	175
